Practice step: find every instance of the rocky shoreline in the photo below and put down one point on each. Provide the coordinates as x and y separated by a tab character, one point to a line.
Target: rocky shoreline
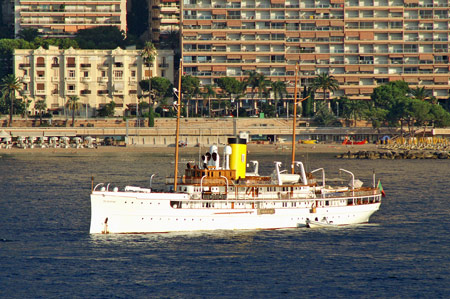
395	154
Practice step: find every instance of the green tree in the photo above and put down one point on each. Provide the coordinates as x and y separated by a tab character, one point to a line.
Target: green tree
190	88
324	117
279	90
28	34
148	55
230	86
420	93
325	82
104	37
73	104
107	110
41	106
207	94
392	97
137	17
161	87
10	85
353	109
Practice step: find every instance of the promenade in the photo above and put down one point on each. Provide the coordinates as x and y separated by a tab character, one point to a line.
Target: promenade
194	131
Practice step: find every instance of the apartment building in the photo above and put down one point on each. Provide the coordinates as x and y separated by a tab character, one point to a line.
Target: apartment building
55	18
362	43
96	76
164	17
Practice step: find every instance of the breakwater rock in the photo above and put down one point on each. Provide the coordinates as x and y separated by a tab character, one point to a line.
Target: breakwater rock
392	155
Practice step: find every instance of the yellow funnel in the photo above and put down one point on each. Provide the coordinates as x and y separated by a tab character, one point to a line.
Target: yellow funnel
238	157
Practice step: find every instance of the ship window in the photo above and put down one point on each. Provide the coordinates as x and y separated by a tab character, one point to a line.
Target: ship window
327	203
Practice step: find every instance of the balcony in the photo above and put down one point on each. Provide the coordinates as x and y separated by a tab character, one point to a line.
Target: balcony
85	79
163	65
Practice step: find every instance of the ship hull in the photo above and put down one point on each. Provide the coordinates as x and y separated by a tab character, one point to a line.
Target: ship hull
121	212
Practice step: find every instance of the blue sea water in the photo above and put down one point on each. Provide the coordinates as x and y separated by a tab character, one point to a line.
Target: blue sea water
46	250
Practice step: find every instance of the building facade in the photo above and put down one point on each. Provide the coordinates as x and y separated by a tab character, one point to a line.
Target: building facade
362	43
96	76
164	18
55	18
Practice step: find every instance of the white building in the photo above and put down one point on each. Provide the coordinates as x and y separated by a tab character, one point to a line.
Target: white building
96	76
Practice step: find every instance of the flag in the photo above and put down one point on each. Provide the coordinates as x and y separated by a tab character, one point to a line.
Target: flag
380	187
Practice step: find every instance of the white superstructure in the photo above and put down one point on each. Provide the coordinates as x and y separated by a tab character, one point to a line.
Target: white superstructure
210	198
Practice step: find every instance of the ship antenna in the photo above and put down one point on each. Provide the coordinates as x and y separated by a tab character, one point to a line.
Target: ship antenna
180	73
295	118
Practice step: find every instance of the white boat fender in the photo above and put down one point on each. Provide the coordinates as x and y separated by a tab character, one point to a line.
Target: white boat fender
105	227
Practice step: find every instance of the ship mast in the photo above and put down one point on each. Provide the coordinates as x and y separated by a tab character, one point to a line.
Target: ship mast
180	73
294	119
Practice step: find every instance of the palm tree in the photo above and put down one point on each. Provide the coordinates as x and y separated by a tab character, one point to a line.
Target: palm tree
73	104
325	82
9	86
207	94
420	93
279	90
149	55
40	106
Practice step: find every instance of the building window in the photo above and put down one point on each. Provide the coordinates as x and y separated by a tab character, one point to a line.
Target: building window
86	74
71	73
163	73
103	74
40	86
133	74
71	87
118	74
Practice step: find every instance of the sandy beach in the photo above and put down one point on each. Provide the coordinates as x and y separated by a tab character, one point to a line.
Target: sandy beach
252	148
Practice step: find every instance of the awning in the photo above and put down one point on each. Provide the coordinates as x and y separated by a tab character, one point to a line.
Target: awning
307	56
366	68
322	23
441	79
323	56
219	68
204	22
352	91
234	23
394	78
277	1
352	79
307	68
411	79
352	33
189	33
248	67
426	66
366	90
340	79
426	78
189	22
290	67
219	11
337	23
204	67
322	34
307	34
426	57
233	56
292	56
351	68
366	35
218	33
292	34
